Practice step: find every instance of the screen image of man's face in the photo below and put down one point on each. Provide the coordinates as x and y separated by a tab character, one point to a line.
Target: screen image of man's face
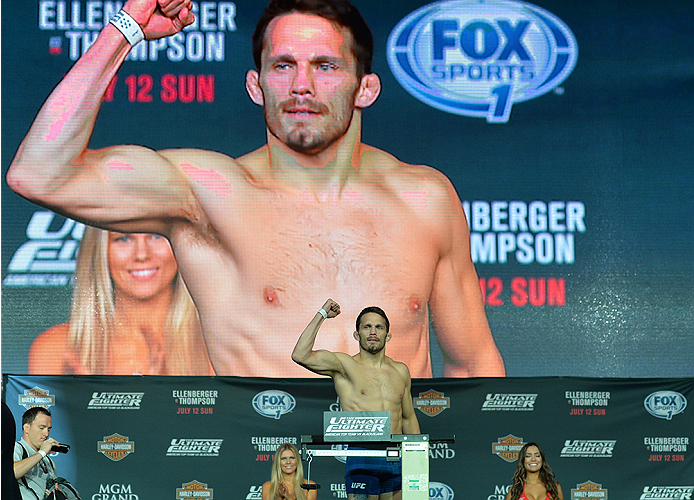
308	78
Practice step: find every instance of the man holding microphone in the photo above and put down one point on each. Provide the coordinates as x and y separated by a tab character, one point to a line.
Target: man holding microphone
32	466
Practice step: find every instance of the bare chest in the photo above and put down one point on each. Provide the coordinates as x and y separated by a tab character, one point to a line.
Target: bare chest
373	389
281	257
278	245
342	240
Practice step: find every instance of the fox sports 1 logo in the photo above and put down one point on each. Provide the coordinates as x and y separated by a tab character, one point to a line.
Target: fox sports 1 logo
479	57
273	403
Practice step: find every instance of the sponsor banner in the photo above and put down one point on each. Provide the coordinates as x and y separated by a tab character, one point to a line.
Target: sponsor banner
440	491
509	402
525	233
273	403
441	451
195	402
587	448
508	448
588	403
194	489
588	398
338	490
431	402
116	447
479	58
665	404
666	449
36	397
115	491
667	492
194	448
589	489
266	446
356	426
500	492
47	257
635	449
116	401
255	493
71	27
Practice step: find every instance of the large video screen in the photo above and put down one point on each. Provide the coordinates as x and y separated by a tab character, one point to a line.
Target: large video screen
551	141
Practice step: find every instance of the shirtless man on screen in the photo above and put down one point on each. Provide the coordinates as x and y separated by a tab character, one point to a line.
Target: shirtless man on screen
261	238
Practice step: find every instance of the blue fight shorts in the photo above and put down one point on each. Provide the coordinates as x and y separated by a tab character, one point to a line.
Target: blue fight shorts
372	475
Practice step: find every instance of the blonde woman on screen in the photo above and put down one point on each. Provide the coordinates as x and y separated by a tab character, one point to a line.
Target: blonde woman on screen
287	477
131	313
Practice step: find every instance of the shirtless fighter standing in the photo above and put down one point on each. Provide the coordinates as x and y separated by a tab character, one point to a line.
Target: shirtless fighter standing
314	212
367	381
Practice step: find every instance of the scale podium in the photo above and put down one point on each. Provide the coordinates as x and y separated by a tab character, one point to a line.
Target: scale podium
371	430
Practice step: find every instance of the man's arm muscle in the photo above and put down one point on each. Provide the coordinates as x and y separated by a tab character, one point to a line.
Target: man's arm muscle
322	362
456	303
53	166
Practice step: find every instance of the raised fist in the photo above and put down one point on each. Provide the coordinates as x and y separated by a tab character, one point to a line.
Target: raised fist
160	18
332	308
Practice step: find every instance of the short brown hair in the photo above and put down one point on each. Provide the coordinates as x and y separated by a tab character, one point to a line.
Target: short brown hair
31	414
340	12
373	309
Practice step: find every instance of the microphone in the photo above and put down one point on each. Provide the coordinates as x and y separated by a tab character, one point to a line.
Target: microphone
61	448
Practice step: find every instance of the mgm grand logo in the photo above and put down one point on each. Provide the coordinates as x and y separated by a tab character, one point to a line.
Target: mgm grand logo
116	447
508	447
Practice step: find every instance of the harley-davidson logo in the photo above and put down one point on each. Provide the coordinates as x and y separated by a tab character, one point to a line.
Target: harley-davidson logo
508	447
36	397
596	491
431	402
194	489
116	447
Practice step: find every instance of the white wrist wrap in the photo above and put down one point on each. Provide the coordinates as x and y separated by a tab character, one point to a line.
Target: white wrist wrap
323	313
128	26
43	454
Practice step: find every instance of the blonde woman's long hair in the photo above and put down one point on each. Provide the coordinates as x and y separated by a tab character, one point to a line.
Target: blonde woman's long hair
92	315
276	475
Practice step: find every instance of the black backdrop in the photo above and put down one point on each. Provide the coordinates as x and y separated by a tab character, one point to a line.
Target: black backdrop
615	137
149	436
